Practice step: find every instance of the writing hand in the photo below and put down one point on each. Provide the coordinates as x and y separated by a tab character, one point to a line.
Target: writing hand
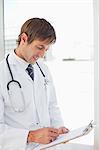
63	130
43	135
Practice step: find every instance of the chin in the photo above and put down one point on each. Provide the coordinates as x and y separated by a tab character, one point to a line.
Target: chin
32	62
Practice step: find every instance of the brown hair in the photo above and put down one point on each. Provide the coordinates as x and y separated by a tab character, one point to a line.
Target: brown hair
37	28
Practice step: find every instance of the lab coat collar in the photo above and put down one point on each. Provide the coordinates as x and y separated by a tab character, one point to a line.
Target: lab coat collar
13	59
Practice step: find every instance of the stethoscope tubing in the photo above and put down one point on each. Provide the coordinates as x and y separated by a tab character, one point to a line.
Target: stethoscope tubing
13	80
40	69
12	74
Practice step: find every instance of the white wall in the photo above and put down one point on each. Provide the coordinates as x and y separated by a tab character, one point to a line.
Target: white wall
96	41
1	30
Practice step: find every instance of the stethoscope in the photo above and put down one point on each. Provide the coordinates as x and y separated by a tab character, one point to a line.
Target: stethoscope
18	83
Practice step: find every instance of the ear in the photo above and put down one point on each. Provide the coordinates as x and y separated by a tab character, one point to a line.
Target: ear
23	38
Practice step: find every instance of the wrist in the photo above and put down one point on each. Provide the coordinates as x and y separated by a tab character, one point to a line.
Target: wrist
30	137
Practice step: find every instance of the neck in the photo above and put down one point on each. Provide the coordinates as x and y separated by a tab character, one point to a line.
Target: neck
18	53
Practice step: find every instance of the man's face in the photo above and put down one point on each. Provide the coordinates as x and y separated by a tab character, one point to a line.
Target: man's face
31	52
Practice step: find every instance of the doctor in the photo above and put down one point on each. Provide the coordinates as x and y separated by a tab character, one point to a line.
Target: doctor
28	108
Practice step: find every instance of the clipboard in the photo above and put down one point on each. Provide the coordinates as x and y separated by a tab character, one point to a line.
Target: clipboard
64	138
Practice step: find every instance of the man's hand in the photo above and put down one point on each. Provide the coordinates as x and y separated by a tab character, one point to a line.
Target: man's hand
62	130
43	135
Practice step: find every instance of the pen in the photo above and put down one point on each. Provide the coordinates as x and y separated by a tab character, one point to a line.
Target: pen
90	125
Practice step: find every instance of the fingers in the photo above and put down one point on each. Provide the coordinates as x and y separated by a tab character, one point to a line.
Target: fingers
53	134
53	130
63	130
51	139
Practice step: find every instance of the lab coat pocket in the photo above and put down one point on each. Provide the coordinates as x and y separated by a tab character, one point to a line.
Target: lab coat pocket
16	97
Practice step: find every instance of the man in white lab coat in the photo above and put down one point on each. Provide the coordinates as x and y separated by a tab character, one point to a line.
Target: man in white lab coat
28	108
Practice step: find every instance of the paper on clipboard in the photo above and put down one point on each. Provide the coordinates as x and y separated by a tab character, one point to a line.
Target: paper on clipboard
67	137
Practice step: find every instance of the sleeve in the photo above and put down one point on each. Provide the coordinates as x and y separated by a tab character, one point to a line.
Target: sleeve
11	138
54	110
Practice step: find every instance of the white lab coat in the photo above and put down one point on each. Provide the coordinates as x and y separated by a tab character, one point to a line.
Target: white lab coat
40	104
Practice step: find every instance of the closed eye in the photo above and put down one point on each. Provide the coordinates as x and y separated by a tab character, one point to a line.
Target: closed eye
40	48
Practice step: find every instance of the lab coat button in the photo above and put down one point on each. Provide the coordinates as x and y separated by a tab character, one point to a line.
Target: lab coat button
16	109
